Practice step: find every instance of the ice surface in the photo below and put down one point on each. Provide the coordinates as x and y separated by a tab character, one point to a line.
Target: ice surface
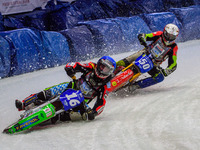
162	117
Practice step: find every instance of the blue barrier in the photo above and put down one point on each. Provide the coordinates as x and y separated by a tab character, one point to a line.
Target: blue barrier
5	58
11	23
149	6
196	2
25	50
37	19
131	27
90	9
108	37
110	7
157	21
190	19
177	3
67	16
116	8
26	46
2	28
55	50
81	43
104	37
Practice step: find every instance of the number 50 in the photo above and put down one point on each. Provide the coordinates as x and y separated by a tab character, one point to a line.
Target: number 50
144	64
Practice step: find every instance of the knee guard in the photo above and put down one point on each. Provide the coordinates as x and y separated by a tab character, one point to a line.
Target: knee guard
151	81
120	63
159	77
124	62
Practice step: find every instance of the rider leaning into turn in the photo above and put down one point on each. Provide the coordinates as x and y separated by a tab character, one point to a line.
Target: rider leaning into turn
92	83
163	46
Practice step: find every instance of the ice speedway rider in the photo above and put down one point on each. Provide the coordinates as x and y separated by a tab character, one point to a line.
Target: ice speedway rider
92	83
163	46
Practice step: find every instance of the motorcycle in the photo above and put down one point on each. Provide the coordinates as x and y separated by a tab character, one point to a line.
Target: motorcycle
130	74
39	114
71	98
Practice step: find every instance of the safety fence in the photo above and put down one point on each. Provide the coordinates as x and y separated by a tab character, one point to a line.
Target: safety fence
85	29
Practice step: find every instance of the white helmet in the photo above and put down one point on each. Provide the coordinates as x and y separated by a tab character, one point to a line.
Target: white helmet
170	33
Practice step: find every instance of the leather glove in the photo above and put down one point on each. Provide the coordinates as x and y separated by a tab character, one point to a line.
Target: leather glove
91	114
70	71
166	72
142	40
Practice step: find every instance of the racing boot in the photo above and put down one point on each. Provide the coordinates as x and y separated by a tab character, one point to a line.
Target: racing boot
54	119
19	105
22	105
89	114
65	116
133	87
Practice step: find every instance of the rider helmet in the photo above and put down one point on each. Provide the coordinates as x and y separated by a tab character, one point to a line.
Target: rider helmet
170	33
105	67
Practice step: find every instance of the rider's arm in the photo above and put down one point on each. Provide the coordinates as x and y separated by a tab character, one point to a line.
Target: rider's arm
172	61
152	36
72	68
101	101
148	37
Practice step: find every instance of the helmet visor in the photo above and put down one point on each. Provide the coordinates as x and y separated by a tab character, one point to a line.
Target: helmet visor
104	68
169	37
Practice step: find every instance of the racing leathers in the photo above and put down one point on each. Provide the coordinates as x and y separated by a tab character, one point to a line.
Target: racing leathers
160	52
91	87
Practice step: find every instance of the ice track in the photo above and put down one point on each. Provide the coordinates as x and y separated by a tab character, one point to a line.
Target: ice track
162	117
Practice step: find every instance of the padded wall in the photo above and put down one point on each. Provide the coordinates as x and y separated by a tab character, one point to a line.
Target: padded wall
116	8
177	3
81	43
91	9
2	28
108	37
37	19
55	50
157	21
190	19
80	32
131	27
64	17
26	46
5	58
149	6
25	50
